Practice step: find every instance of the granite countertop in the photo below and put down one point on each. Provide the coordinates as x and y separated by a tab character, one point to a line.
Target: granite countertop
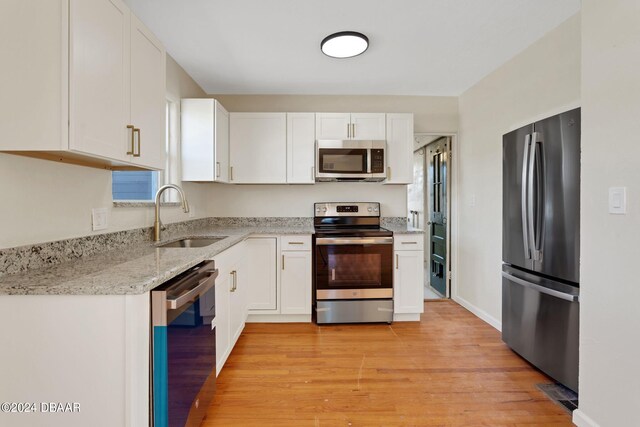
403	229
134	270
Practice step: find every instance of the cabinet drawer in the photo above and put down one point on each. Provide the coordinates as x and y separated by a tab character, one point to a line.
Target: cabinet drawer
296	243
408	242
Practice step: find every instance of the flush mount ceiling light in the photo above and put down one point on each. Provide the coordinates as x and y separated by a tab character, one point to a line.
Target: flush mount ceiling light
345	44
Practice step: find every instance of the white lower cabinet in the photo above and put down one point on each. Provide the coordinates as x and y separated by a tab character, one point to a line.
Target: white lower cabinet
231	301
262	272
408	280
295	282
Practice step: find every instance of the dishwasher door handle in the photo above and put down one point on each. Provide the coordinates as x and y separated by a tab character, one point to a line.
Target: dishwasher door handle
199	287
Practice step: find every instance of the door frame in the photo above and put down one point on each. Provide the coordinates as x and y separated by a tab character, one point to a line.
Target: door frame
452	208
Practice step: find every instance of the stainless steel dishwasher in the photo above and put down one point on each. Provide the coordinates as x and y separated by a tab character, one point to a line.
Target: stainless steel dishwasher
183	357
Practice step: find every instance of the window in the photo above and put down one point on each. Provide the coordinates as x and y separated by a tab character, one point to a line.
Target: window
142	185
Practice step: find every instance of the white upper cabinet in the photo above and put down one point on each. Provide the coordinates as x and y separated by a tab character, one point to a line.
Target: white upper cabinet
301	129
258	148
350	126
333	125
399	149
204	140
99	82
368	126
148	96
80	73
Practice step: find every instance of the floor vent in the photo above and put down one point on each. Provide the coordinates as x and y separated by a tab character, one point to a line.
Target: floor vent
561	395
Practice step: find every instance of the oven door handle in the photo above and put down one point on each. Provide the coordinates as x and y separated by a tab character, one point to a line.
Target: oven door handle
328	241
201	286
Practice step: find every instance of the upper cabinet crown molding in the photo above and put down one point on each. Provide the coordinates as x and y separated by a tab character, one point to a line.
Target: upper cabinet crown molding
90	88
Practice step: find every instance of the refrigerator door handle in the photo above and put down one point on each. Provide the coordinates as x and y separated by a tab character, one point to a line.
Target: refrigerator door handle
536	226
525	219
541	289
530	225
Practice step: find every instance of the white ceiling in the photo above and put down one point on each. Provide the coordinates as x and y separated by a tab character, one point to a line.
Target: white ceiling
417	47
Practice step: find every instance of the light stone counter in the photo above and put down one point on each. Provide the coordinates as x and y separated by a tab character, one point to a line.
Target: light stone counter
134	269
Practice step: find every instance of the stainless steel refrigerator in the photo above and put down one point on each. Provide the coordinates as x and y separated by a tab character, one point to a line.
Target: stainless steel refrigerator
541	244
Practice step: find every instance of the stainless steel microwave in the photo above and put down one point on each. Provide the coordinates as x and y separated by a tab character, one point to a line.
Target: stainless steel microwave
350	160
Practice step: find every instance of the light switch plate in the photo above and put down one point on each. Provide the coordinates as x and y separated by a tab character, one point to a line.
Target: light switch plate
618	200
99	218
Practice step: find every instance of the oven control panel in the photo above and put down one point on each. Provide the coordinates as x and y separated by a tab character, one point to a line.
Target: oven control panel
347	209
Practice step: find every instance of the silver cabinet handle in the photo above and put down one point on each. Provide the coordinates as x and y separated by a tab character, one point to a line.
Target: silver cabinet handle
295	243
217	169
283	261
409	243
388	173
313	173
353	130
230	173
234	282
397	262
348	130
132	139
541	289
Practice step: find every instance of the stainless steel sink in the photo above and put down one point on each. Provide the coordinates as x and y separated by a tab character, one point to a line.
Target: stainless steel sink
194	242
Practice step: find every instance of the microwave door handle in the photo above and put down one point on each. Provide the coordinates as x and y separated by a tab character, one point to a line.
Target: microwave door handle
368	161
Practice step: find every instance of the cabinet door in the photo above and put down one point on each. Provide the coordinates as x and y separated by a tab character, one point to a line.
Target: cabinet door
333	125
148	96
258	148
99	69
221	142
237	303
197	136
399	149
261	273
34	74
223	332
301	128
295	283
368	126
408	282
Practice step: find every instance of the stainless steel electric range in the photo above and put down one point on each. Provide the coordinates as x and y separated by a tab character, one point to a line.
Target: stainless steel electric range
353	264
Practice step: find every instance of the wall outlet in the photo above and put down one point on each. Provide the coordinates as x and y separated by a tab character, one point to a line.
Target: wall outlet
99	218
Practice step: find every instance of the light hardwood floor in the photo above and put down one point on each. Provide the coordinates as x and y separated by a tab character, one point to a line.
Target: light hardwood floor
449	369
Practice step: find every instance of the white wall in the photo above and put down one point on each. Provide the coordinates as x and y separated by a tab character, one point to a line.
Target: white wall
44	200
431	114
542	80
610	290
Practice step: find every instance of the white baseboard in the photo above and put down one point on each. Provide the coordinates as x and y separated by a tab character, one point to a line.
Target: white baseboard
581	420
406	317
479	312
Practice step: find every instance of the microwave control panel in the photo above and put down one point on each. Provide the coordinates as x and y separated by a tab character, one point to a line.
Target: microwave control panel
377	161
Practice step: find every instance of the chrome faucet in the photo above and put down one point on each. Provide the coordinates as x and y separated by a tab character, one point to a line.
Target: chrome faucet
157	226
